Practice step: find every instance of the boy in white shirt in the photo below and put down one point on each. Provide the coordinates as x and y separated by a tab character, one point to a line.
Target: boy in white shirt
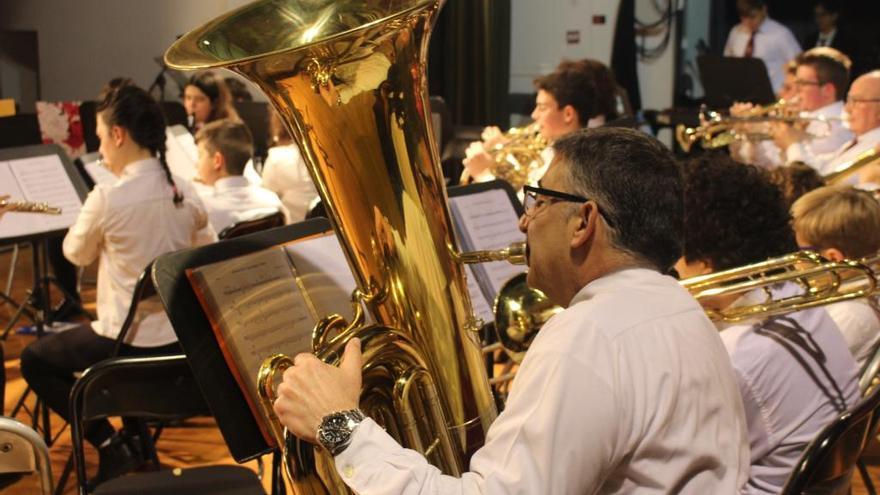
225	147
842	222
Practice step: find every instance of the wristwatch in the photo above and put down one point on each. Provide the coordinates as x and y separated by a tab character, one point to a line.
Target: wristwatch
337	428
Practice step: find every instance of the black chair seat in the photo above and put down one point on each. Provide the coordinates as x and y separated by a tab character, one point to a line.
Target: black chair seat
219	480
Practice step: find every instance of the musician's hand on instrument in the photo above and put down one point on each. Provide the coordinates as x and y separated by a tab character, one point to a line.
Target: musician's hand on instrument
3	207
476	161
784	134
312	389
740	109
491	136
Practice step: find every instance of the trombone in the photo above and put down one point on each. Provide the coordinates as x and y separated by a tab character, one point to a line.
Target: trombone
850	168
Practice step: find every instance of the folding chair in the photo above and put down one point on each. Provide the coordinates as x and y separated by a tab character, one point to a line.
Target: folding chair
827	464
166	391
23	451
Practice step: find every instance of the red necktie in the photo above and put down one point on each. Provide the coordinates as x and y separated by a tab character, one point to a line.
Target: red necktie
750	46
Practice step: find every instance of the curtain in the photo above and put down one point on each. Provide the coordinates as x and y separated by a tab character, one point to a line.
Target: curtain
469	60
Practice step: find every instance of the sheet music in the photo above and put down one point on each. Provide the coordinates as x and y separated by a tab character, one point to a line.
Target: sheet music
38	179
257	307
325	274
481	306
99	173
487	220
181	153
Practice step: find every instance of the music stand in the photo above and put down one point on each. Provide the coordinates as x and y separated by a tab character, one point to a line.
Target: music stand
727	80
38	234
222	392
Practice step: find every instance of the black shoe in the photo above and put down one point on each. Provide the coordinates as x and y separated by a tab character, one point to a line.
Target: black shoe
67	309
115	459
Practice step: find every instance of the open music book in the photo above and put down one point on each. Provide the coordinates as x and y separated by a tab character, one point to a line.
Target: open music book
38	178
484	220
267	303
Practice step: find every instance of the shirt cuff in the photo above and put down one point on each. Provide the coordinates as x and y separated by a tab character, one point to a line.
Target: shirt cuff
370	445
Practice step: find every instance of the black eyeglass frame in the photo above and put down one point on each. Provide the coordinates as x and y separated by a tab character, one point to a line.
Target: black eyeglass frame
556	195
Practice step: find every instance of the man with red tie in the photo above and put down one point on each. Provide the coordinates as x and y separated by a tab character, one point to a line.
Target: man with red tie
757	35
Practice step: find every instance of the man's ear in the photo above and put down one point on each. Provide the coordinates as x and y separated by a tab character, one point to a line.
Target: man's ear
569	114
218	161
118	134
585	224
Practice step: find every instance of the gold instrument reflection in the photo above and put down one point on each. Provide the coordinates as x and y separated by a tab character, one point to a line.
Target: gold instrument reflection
516	156
820	281
29	207
348	79
846	170
717	130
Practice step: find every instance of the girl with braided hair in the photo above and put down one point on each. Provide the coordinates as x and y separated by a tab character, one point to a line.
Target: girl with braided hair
126	225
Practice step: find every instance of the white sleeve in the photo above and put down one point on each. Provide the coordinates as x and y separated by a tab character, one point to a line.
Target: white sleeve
556	436
728	46
84	239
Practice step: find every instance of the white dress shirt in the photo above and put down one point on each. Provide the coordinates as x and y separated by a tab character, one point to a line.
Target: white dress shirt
285	174
774	44
859	322
848	152
129	223
785	408
822	137
233	199
629	390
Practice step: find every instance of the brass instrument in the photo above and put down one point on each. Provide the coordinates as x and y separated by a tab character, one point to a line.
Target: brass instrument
846	170
520	311
822	282
717	130
516	156
29	207
348	79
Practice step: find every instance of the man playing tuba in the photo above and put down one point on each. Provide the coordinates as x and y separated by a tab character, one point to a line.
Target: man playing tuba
629	373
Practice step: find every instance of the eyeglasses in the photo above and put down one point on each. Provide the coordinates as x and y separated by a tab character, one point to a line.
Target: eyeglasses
801	82
531	202
852	99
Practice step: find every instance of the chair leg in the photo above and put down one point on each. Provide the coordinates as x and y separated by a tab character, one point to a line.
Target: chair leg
65	474
866	477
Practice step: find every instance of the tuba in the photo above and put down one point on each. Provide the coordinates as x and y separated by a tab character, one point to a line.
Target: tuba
348	80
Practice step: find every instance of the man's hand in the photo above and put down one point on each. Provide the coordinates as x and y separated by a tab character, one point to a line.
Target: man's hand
491	136
785	134
312	389
477	161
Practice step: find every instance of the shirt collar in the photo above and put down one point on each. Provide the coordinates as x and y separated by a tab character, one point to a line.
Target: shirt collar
627	277
831	110
231	182
141	167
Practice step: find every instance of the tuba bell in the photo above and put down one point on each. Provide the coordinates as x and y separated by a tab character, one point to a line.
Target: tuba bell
348	80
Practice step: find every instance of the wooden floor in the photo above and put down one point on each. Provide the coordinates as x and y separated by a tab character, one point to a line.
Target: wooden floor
193	443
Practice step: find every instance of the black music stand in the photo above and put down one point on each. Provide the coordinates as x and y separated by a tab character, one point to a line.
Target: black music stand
38	296
193	329
727	80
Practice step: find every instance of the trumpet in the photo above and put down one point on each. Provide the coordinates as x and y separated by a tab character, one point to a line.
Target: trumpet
717	130
516	155
29	207
821	281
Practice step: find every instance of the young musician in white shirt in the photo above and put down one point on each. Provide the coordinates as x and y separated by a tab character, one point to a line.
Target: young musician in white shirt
841	222
628	390
821	79
794	371
147	212
206	98
225	146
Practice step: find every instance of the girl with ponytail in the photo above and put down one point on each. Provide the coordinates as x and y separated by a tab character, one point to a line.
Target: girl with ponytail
126	225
